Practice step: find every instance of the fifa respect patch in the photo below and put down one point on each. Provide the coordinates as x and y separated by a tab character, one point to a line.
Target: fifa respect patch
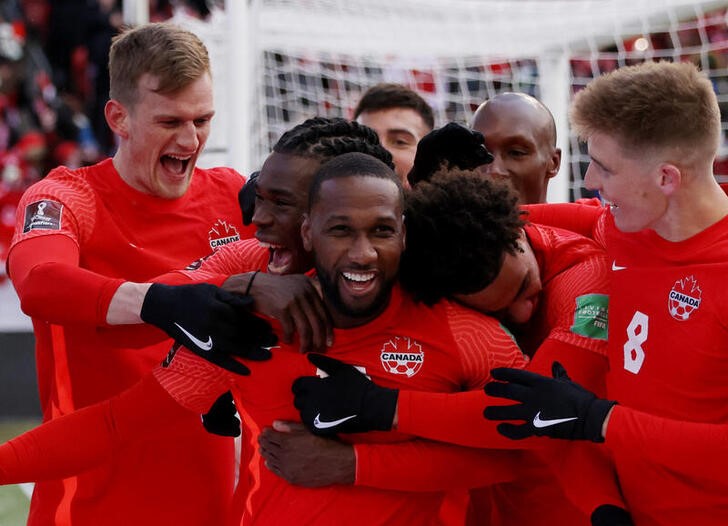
590	316
43	215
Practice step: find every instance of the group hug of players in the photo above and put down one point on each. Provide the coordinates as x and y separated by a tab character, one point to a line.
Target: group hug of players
446	328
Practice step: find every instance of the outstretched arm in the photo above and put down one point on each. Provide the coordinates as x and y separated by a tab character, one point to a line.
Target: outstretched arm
182	387
83	439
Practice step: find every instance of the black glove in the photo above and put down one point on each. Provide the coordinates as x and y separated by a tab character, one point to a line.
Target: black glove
554	407
610	515
346	401
453	144
246	198
210	322
221	419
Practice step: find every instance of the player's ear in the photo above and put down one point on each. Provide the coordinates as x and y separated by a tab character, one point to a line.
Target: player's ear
117	117
670	178
306	233
554	163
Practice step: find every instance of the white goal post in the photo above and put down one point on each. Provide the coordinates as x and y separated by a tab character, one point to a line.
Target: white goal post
277	62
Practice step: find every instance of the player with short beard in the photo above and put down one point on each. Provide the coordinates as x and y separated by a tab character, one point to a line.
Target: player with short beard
355	220
547	285
270	267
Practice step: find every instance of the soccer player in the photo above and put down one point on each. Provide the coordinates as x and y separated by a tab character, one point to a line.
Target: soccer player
81	234
400	116
270	266
653	131
547	285
520	133
355	229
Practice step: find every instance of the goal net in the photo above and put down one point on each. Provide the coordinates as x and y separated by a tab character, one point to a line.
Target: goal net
278	62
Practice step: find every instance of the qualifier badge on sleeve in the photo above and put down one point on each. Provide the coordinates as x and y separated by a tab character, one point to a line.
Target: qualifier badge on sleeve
43	215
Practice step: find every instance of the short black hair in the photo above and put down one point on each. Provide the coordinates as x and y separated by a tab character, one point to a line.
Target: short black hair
460	226
326	138
354	164
385	96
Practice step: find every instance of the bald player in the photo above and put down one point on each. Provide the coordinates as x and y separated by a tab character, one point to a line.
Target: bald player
521	134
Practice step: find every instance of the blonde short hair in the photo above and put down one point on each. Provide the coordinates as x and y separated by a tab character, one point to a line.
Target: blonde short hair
176	57
651	106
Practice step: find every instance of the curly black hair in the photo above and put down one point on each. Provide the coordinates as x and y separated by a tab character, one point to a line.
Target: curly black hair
326	138
460	226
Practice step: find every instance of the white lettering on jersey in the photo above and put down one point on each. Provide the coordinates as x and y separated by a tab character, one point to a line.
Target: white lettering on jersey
634	354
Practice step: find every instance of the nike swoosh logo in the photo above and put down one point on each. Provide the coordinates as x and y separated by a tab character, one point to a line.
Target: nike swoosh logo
205	346
322	424
537	422
617	267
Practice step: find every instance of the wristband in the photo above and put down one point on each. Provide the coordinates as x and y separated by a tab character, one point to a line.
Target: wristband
250	283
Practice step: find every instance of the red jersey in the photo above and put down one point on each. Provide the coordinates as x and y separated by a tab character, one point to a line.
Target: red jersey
116	233
668	337
569	325
444	348
648	439
238	257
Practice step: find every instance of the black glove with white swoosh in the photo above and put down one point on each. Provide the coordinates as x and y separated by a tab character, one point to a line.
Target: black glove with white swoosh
210	322
345	401
554	407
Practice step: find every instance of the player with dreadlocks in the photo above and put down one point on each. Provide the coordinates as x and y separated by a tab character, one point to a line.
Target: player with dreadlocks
280	190
270	267
354	226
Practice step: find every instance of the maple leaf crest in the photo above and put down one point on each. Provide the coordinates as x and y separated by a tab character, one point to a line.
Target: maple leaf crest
689	286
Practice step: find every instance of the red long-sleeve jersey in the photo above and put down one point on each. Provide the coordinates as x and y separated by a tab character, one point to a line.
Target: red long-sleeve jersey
445	347
570	325
667	336
79	234
667	369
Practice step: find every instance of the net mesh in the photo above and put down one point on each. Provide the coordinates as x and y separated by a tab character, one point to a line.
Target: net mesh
317	57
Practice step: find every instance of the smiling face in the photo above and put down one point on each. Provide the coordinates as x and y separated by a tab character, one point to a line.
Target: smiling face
280	203
628	184
162	135
356	232
513	296
399	131
519	133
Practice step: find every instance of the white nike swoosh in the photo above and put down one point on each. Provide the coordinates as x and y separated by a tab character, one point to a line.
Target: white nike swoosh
320	424
617	267
205	346
537	422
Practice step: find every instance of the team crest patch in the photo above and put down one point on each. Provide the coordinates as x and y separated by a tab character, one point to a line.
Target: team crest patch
43	215
221	234
590	316
684	298
402	355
